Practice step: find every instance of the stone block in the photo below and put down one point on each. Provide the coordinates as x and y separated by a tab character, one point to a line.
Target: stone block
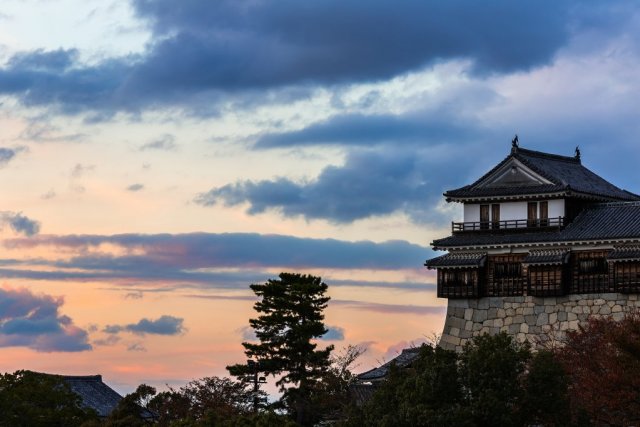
573	325
543	319
538	309
520	310
553	318
479	315
468	326
576	310
633	297
605	309
531	319
483	303
492	313
609	297
562	316
549	301
549	309
495	302
465	334
498	323
508	321
617	316
455	332
468	314
518	319
524	328
572	316
477	327
616	309
564	326
521	337
510	312
582	302
501	313
598	301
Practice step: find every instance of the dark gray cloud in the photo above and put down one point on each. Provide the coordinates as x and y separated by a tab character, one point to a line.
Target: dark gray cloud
34	321
203	50
164	325
166	142
164	253
6	155
19	223
370	183
135	187
367	130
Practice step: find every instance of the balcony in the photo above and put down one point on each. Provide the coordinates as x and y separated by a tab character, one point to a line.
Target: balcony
509	225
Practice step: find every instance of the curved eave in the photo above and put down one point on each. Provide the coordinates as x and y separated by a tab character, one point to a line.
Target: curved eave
524	196
538	244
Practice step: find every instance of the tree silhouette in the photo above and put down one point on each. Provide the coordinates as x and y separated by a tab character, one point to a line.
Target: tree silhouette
290	318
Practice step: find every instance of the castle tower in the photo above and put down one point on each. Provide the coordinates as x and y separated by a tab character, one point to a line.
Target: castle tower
544	244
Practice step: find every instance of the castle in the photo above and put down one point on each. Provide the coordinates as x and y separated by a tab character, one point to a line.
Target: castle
545	243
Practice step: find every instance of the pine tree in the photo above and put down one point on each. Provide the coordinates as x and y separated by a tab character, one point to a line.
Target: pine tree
290	318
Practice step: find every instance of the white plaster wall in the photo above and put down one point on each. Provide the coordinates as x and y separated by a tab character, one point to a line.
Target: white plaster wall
512	210
556	208
471	212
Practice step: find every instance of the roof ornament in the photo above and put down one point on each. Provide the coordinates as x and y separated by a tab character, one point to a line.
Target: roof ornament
514	144
577	153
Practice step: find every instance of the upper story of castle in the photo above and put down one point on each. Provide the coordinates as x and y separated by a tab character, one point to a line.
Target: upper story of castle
540	223
530	190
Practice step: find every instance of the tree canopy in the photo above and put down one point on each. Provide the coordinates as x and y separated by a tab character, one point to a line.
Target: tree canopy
290	318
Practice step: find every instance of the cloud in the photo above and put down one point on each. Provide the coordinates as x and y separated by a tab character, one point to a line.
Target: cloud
204	51
334	333
370	183
163	253
34	321
367	130
390	308
165	143
164	325
137	346
135	187
6	155
19	223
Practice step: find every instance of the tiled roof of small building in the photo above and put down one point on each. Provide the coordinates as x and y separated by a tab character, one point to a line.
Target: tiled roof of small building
457	260
404	359
94	393
566	174
619	221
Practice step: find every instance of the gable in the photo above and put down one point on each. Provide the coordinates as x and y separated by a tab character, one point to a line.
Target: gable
512	173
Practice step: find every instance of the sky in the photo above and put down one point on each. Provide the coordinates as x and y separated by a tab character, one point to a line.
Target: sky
160	156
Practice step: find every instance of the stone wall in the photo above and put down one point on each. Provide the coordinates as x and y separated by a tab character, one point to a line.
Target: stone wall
527	318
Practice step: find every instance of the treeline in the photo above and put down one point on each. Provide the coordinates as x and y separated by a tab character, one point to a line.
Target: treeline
591	378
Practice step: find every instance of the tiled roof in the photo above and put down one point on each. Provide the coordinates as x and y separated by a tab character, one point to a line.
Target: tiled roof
404	359
624	253
457	260
94	393
602	222
566	174
546	257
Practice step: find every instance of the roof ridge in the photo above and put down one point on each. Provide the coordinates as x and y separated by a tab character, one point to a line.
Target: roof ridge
544	155
620	204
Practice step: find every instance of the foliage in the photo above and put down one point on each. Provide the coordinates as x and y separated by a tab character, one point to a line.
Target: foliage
426	394
545	392
490	370
330	399
291	318
132	407
202	399
33	399
602	362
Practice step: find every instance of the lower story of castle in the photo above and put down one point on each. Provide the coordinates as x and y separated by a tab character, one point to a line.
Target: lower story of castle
541	321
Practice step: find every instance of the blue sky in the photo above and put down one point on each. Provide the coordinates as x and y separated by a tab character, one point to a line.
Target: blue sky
160	156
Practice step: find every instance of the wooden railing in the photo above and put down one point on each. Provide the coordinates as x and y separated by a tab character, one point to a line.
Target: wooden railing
510	224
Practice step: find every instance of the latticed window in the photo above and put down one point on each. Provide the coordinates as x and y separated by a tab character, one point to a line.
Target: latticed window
627	277
458	283
546	280
590	273
505	276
